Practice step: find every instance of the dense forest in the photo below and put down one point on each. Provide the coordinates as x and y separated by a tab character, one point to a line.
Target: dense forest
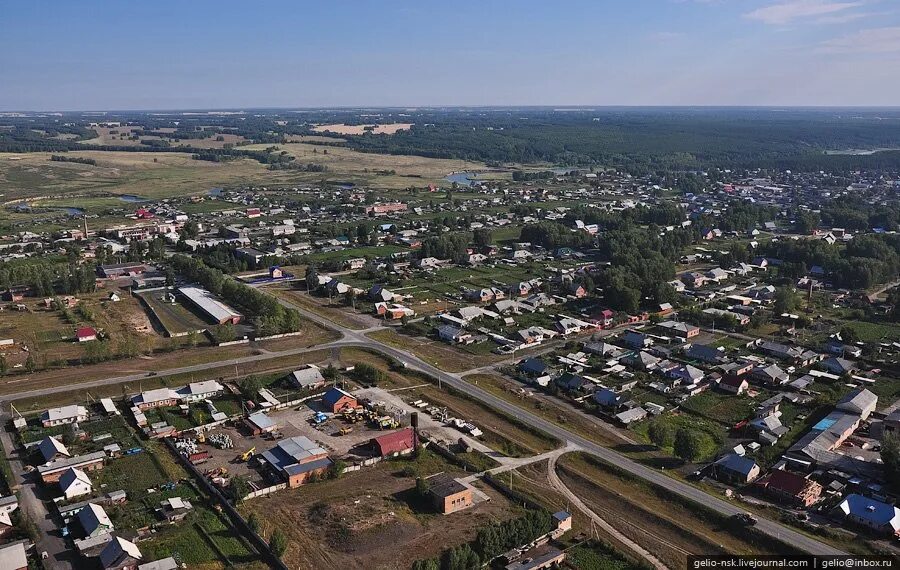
638	139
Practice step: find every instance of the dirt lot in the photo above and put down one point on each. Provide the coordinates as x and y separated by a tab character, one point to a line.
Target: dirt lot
175	318
339	315
371	518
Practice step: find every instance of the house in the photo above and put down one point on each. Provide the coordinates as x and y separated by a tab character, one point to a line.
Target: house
174	509
75	483
94	521
838	365
705	353
861	402
196	391
295	460
631	415
869	513
641	360
379	294
447	494
51	448
161	397
733	468
734	385
51	472
681	330
451	334
336	399
13	556
792	488
533	367
687	374
393	311
65	415
399	442
259	423
769	428
603	349
567	325
85	334
309	378
770	375
608	399
636	340
120	554
571	382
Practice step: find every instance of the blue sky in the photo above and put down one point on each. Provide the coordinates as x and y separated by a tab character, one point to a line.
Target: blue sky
162	54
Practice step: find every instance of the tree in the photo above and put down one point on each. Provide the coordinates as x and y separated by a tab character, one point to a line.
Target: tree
422	488
661	433
254	523
785	300
849	335
278	542
250	386
482	237
312	277
890	456
3	366
238	488
692	445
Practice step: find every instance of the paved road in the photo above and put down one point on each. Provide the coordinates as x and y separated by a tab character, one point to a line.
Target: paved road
352	338
50	541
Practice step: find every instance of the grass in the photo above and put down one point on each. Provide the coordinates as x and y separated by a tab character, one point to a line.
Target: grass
726	409
435	352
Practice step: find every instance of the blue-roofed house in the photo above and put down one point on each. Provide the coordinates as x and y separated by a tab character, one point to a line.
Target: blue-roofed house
335	400
571	382
608	399
733	468
533	367
875	515
636	340
706	353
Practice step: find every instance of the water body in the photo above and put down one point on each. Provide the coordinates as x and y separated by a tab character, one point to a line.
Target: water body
132	198
463	178
72	211
345	185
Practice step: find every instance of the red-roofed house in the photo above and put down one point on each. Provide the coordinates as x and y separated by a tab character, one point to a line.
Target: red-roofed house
399	442
84	334
796	489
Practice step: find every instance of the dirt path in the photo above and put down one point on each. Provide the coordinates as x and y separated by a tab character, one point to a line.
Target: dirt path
557	484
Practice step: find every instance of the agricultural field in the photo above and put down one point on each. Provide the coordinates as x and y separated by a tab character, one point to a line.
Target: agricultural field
372	518
341	129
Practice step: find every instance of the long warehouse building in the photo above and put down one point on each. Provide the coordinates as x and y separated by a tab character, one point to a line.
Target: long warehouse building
213	308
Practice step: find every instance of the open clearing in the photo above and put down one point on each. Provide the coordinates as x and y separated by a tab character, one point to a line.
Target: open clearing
371	518
343	129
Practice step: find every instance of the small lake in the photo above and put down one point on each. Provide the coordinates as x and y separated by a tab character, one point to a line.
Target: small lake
463	178
132	198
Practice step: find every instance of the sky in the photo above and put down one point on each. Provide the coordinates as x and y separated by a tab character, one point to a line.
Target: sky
225	54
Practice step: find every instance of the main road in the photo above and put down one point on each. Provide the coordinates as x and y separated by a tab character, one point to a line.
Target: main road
358	339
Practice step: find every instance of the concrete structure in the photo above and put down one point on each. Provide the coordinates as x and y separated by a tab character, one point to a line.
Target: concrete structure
214	309
447	494
550	559
260	423
791	488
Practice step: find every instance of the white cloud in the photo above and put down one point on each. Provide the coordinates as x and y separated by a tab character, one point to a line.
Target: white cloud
875	40
787	11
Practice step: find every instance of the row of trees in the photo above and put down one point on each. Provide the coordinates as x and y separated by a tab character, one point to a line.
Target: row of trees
491	541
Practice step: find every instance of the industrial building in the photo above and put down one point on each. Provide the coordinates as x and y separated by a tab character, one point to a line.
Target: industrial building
214	309
296	459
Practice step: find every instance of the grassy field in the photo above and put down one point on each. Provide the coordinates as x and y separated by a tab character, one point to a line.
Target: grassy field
440	354
662	523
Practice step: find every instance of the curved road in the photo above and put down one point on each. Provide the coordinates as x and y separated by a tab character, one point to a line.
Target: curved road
352	338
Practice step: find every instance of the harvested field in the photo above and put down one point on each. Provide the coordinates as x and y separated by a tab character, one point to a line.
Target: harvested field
342	129
440	354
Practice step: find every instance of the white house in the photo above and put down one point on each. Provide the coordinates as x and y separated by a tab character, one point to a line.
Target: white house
64	415
75	483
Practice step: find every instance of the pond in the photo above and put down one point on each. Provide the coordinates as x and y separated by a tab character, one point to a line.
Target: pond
132	198
462	178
